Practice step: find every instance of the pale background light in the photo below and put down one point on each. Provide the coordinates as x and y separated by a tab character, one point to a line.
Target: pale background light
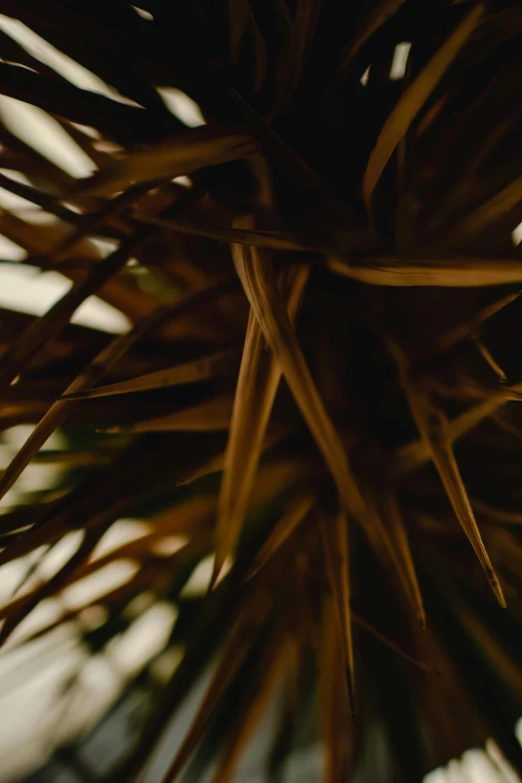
400	60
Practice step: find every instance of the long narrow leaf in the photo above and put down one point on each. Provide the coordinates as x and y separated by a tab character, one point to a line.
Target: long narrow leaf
197	370
182	154
106	359
335	729
414	98
393	535
412	455
293	517
334	533
433	428
235	651
384	10
272	668
277	240
261	288
210	416
258	381
459	272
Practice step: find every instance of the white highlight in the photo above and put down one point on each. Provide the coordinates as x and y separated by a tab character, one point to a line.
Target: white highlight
145	638
36	476
14	203
96	585
516	234
365	76
166	547
183	180
45	135
46	53
27	290
501	762
60	554
183	107
476	766
141	12
166	664
200	579
121	532
10	251
400	60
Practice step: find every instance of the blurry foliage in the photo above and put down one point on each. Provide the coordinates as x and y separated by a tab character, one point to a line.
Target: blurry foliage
320	382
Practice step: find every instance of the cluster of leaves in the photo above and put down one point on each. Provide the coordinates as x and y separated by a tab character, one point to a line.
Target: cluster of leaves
320	384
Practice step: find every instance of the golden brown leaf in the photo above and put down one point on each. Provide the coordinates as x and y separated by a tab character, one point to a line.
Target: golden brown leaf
455	334
190	372
391	533
334	534
433	428
303	28
412	455
365	625
379	16
333	700
499	515
207	417
258	381
494	209
261	288
293	516
277	240
413	99
181	154
106	359
457	272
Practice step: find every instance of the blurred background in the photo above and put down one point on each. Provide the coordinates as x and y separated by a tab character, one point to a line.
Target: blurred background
70	704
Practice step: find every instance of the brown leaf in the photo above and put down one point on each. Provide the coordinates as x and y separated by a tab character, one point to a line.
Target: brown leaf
259	283
384	10
258	381
261	51
490	359
234	654
238	16
106	359
273	666
445	341
28	603
337	740
42	240
303	29
210	416
457	272
49	325
391	533
413	99
491	210
197	370
182	154
308	203
499	515
362	623
291	519
412	455
433	428
216	464
490	646
334	534
277	240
